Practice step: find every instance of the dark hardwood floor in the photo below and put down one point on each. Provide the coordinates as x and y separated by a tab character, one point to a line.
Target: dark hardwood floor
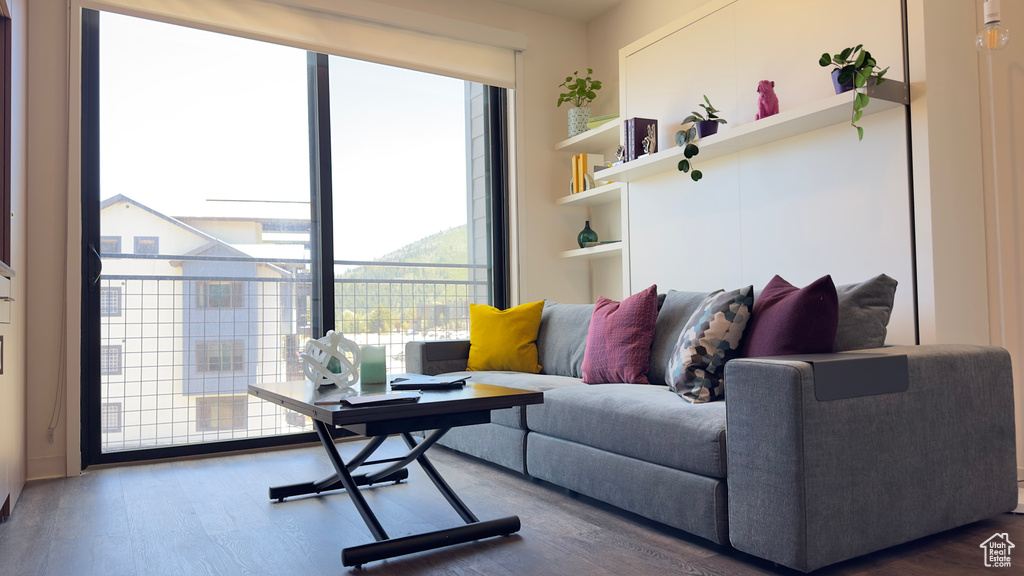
212	516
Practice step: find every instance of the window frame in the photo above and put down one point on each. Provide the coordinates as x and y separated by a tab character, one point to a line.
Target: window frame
141	241
109	311
236	294
239	405
6	32
236	363
106	412
320	316
110	239
107	352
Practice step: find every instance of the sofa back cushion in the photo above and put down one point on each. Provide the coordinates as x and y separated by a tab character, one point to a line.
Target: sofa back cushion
675	311
864	311
563	338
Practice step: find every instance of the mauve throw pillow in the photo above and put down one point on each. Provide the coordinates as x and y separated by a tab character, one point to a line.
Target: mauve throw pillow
619	339
790	320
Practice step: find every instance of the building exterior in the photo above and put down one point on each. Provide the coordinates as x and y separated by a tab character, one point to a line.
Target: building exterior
190	319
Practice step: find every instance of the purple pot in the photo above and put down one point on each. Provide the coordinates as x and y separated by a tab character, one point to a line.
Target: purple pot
840	88
707	128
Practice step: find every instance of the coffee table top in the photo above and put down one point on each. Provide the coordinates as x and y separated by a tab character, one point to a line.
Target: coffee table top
473	397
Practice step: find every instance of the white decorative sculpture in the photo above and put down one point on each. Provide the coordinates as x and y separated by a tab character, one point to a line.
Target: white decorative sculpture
332	359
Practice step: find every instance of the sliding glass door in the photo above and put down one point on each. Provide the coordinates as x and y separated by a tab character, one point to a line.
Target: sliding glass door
240	197
404	212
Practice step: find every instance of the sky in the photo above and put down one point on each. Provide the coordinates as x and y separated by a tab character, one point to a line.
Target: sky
190	118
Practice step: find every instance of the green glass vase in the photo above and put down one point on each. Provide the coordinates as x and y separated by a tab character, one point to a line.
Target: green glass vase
586	235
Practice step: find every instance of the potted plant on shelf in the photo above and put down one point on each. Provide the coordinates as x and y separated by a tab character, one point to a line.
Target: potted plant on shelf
705	126
700	126
579	92
853	68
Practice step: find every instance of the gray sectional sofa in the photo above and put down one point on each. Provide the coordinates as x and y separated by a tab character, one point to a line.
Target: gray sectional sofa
775	471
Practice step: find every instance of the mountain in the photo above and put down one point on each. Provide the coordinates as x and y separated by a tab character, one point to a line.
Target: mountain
377	299
445	247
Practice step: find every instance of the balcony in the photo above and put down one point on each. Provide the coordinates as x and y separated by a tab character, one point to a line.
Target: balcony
178	350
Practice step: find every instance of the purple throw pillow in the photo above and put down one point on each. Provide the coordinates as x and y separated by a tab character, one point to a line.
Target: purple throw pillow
619	339
790	320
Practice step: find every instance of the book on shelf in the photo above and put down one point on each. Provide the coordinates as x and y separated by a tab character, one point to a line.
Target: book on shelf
575	181
583	168
600	120
634	132
601	243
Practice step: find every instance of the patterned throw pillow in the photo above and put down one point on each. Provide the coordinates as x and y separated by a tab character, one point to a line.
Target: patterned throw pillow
619	339
790	320
710	339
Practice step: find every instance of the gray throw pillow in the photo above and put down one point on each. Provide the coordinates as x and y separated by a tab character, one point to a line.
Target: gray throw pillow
673	312
562	338
864	311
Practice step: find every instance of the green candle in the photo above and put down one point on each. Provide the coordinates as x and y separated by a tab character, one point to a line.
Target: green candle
372	370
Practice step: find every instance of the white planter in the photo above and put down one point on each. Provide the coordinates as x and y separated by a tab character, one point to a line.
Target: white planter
578	118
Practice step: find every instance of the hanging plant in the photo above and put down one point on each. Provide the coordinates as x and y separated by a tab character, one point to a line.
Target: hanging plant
852	68
701	125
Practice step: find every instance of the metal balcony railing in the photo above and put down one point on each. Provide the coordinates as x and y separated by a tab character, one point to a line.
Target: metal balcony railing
178	351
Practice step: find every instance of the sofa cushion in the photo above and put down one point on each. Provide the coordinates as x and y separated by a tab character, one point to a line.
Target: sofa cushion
673	314
791	320
504	339
516	417
864	311
711	338
619	339
635	421
563	338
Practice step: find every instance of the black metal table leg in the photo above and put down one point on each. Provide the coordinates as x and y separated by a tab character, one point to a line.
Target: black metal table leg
359	555
346	480
438	481
386	547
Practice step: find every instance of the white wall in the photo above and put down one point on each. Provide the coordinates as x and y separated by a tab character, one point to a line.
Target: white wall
1002	118
47	226
815	204
12	381
621	26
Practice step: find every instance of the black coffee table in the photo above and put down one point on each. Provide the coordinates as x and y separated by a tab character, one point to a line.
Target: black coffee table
438	411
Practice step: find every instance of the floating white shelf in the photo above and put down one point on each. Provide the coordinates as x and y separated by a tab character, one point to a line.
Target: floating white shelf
821	114
594	252
594	197
601	138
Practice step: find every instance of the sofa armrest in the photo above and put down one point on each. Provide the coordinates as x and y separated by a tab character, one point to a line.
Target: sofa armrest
815	482
436	356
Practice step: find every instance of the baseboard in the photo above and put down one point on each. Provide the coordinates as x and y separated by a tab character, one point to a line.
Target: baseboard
44	467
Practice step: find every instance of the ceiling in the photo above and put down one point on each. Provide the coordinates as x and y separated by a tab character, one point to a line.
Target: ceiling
579	10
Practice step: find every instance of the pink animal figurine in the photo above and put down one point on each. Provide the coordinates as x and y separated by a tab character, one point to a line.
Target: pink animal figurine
767	101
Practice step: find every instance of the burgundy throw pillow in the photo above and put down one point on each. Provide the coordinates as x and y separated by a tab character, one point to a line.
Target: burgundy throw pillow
619	339
791	320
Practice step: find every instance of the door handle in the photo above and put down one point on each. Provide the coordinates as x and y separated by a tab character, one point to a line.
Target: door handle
95	267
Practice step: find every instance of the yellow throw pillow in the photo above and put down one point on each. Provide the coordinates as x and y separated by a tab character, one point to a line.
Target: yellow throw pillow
504	339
